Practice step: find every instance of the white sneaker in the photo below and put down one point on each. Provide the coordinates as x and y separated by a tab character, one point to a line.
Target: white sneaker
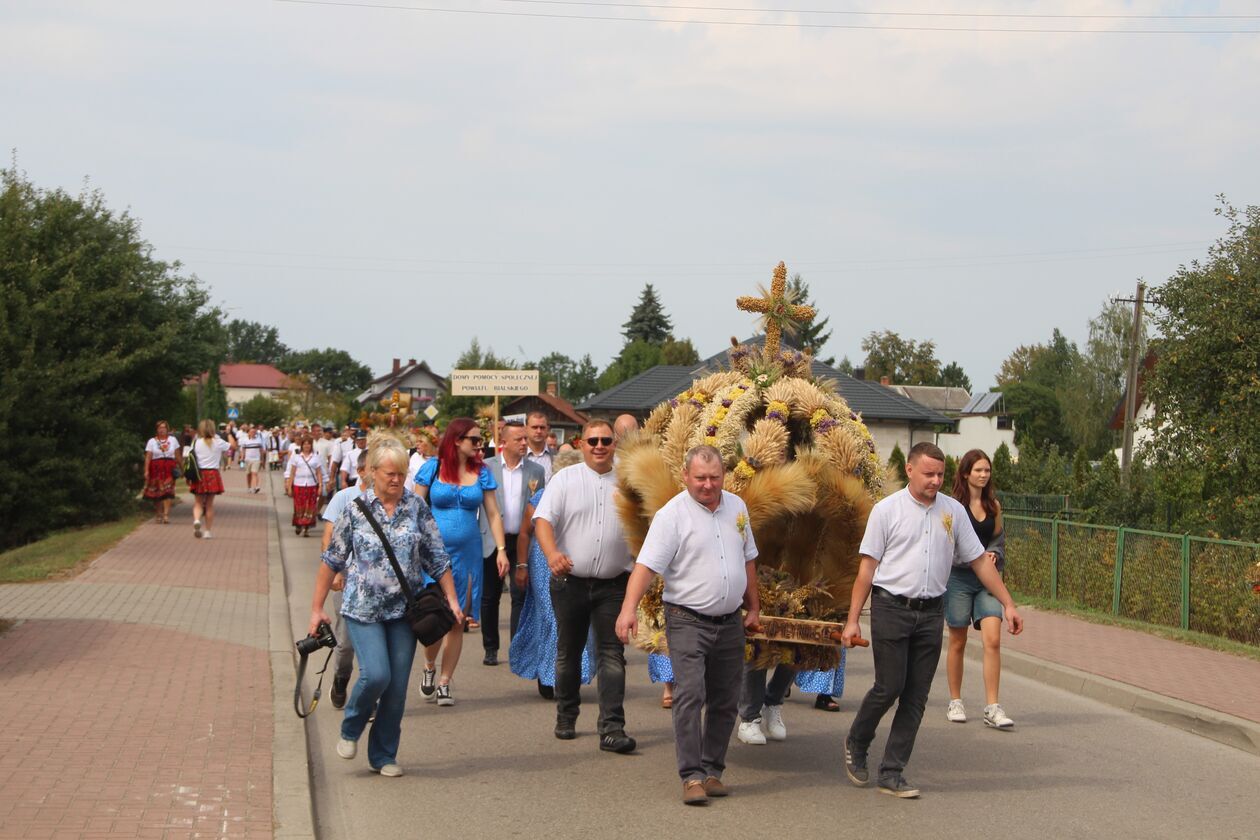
956	713
391	770
750	732
775	730
995	717
205	535
197	528
347	749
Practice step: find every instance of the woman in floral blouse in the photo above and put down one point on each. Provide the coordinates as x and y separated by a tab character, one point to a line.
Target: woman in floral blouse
373	602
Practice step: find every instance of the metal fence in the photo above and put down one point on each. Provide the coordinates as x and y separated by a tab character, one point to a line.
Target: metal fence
1029	504
1176	580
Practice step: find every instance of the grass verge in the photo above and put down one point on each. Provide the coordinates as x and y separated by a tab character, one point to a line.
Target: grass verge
64	554
1176	634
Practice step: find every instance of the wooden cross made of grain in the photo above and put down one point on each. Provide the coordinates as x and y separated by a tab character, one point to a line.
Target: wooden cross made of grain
777	311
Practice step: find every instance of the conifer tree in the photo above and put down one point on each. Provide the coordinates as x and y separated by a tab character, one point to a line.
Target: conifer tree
648	322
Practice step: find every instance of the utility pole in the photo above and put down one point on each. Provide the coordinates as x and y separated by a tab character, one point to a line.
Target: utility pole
1130	400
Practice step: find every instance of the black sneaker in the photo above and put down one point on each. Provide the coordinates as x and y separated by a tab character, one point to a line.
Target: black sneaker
855	766
618	742
428	684
546	691
565	730
338	692
897	786
491	658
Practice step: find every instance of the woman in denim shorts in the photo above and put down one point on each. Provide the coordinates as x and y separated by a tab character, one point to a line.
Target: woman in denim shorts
967	602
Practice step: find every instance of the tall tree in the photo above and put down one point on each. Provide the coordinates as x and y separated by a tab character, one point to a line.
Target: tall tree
96	339
250	341
813	335
330	370
679	352
953	376
904	361
648	321
1205	390
1094	382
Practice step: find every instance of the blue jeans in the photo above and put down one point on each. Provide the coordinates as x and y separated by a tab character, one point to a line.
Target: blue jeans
385	650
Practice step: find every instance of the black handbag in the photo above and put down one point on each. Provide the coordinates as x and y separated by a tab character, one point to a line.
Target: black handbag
427	612
192	470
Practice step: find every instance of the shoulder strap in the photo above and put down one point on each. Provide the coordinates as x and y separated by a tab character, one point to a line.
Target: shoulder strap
389	551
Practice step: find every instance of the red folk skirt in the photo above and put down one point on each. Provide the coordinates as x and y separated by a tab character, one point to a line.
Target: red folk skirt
211	483
305	505
160	483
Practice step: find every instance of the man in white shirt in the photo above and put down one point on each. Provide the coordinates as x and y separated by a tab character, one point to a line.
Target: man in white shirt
349	474
912	539
580	534
537	427
517	480
702	544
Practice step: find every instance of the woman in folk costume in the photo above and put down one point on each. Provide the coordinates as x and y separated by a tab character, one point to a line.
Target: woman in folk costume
161	457
304	479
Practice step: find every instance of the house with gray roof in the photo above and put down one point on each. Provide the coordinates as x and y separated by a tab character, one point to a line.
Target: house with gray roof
892	419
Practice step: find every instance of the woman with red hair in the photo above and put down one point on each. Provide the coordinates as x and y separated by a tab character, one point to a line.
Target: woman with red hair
967	603
457	486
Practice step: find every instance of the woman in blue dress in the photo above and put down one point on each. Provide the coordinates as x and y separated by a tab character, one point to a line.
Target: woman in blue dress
456	485
828	685
533	649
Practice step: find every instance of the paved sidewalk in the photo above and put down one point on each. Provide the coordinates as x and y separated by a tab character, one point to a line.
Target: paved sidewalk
137	697
1208	678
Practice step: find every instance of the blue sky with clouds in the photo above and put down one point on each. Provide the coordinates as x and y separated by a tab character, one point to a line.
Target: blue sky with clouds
520	178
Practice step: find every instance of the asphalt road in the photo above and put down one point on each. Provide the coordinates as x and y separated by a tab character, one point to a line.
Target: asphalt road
490	767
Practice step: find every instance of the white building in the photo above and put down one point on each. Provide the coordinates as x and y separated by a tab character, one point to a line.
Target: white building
981	424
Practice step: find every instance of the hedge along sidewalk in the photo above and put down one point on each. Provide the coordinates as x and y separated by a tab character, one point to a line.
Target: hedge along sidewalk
1203	691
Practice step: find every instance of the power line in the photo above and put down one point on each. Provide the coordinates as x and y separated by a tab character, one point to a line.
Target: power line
855	263
768	24
853	13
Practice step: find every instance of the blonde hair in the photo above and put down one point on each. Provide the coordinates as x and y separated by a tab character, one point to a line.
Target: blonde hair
387	448
206	429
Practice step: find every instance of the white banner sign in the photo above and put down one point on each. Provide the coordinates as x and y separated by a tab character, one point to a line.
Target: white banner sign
488	383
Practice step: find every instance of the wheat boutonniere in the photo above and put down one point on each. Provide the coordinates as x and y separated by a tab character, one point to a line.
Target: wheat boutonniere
533	486
948	521
741	522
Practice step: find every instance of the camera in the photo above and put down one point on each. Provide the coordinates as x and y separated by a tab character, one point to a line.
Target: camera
323	638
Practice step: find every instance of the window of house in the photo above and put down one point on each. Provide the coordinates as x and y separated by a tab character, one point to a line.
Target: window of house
1004	422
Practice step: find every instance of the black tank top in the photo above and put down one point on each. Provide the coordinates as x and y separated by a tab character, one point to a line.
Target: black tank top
984	530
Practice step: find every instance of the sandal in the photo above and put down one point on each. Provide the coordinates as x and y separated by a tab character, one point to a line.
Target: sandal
826	703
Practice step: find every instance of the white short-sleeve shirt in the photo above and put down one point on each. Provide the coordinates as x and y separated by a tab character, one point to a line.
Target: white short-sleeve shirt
701	553
580	505
210	455
916	544
155	448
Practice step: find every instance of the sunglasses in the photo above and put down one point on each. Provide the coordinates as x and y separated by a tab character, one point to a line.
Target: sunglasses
476	439
599	441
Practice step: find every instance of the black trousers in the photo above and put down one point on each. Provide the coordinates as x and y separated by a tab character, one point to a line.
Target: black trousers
906	646
582	605
492	594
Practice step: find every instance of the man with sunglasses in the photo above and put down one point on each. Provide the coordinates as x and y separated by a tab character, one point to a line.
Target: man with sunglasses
580	534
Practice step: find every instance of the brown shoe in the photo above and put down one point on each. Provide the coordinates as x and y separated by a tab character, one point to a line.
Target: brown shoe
693	793
713	787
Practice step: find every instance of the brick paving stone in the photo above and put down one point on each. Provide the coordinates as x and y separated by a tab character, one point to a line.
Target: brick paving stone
138	695
1208	678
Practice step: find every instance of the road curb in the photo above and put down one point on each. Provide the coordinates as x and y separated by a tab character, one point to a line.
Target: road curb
1236	732
292	813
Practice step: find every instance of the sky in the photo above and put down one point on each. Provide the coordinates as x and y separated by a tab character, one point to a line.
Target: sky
394	182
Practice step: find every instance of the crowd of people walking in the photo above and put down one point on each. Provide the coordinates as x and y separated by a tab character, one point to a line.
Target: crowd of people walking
542	521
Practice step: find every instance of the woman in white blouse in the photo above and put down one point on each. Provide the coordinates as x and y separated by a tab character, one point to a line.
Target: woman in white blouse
209	450
304	480
161	454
